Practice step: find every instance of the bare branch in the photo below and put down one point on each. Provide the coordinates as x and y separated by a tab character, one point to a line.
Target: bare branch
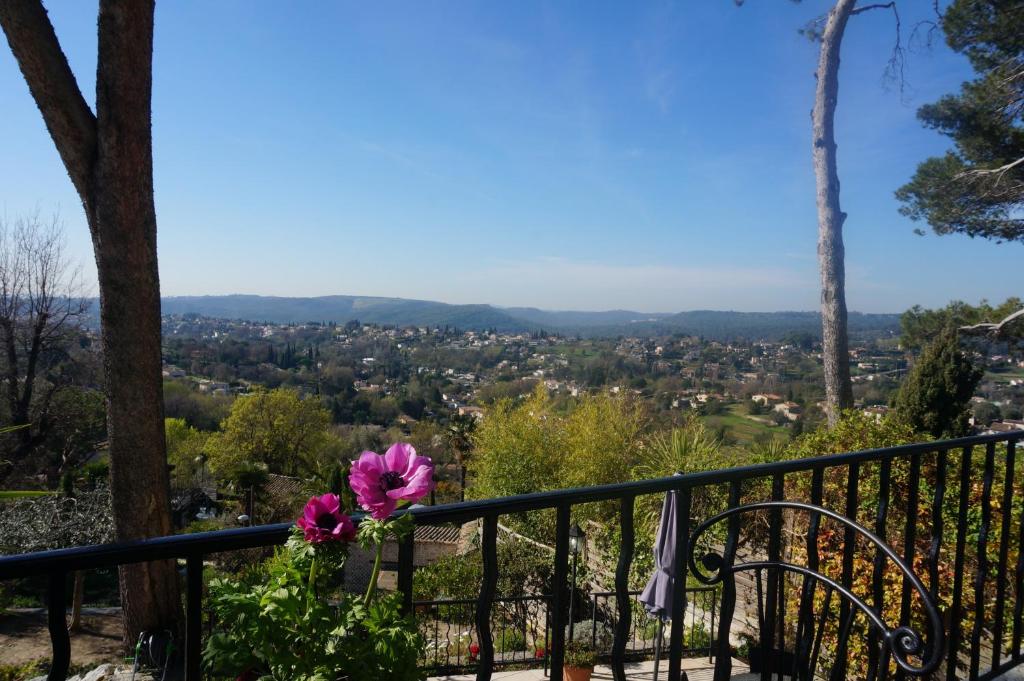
894	68
867	8
71	123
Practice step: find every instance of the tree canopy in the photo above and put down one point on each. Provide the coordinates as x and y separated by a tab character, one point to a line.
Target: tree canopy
185	448
920	326
276	428
935	398
977	188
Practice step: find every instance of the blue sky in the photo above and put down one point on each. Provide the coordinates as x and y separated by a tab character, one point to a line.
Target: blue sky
571	155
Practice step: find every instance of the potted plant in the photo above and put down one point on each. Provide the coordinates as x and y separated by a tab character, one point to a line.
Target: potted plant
579	662
290	619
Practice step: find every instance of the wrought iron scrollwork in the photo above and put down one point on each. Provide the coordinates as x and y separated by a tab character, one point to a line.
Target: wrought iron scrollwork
903	641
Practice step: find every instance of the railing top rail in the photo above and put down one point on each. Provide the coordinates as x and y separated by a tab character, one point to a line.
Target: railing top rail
181	546
470	510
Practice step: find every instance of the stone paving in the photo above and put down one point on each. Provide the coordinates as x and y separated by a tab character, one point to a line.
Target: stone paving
697	669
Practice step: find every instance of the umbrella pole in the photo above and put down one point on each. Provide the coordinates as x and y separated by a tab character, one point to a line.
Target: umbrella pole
657	646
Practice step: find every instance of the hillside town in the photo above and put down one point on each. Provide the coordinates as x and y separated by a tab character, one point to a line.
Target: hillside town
384	376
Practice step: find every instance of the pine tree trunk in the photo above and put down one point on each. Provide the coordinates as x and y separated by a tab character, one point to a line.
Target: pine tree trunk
109	159
835	345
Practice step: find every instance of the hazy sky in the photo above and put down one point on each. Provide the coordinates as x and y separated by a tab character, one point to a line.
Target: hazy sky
585	155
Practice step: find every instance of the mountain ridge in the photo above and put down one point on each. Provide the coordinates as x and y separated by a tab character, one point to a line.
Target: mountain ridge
718	324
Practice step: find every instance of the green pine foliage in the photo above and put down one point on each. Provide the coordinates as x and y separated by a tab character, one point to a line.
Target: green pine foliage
935	398
977	189
919	326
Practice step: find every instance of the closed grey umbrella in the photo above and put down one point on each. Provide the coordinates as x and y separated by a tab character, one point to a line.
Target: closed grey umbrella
657	595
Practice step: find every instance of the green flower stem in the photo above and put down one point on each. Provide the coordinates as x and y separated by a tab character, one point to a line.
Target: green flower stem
372	587
311	587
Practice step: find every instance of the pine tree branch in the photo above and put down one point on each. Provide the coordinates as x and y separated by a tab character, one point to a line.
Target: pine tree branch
998	330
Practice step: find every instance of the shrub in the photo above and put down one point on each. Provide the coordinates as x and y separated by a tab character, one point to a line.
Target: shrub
599	634
511	640
580	655
18	672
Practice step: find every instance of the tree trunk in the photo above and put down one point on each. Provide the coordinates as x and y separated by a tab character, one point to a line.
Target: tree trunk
835	345
110	161
123	226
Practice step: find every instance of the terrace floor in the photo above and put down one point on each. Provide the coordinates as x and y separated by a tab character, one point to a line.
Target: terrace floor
697	669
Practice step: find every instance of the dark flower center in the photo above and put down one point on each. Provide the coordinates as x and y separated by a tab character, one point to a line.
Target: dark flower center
326	521
391	480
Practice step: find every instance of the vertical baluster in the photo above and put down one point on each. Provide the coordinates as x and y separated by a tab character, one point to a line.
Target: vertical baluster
56	620
910	539
561	595
849	547
623	602
883	665
484	603
193	616
805	615
768	634
502	640
437	637
1018	579
820	631
1004	556
723	661
781	623
878	568
982	574
526	648
406	548
938	498
759	596
956	622
838	672
688	643
709	598
682	527
547	635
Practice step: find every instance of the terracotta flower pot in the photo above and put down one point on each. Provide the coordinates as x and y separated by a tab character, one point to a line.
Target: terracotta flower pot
577	673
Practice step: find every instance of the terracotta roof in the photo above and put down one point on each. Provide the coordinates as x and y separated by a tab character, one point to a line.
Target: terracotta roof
282	485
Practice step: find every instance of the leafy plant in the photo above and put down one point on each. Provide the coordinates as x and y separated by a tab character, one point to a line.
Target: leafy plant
294	624
291	620
580	655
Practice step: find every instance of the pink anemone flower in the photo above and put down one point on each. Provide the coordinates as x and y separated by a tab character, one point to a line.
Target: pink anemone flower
323	521
380	482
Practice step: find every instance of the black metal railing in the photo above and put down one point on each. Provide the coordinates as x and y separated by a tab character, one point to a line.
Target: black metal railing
645	635
521	629
954	508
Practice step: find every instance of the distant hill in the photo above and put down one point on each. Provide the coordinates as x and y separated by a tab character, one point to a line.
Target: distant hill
571	319
722	325
374	310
